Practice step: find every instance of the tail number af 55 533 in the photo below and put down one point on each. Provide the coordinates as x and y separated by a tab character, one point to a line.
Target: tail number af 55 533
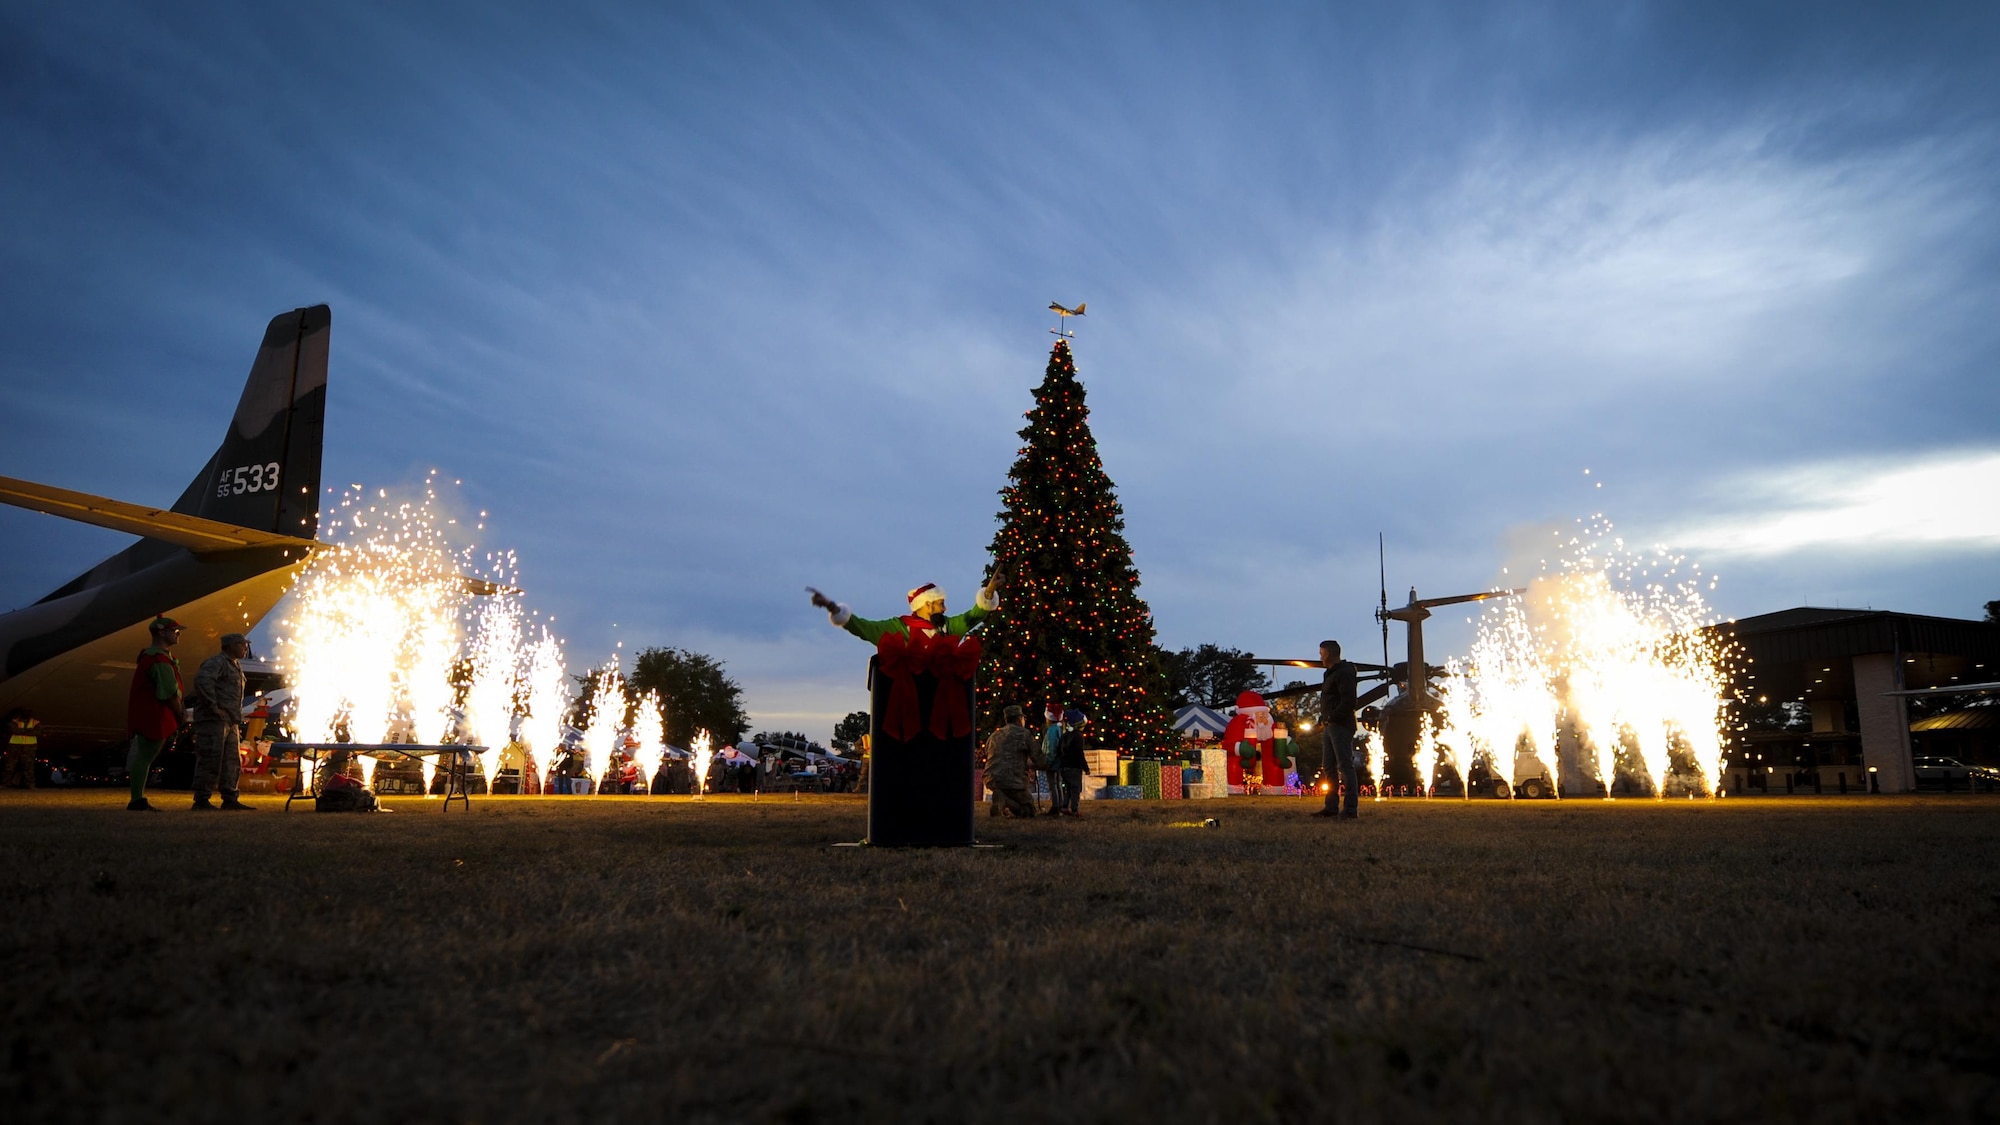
247	478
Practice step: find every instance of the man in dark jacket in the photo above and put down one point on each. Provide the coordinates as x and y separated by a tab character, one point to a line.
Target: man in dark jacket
1007	762
1336	724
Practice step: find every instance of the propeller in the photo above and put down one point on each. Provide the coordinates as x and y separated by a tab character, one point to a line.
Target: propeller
1382	612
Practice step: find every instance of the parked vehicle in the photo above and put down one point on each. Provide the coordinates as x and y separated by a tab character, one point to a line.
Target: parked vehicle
1943	773
1535	788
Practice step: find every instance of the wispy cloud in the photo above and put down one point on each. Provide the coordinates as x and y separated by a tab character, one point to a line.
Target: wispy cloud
1948	502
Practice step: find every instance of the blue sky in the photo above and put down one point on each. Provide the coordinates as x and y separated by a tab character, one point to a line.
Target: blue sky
705	303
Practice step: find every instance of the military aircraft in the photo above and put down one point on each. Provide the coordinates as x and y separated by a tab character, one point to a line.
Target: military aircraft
217	561
1062	318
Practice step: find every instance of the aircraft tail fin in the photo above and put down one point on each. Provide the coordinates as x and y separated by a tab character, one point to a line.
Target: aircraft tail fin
266	473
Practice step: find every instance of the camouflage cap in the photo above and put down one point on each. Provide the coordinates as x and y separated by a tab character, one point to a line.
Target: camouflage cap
234	639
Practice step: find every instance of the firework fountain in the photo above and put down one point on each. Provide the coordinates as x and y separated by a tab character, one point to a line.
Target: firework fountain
607	717
495	672
384	633
702	755
1427	755
548	697
1608	644
1501	702
649	726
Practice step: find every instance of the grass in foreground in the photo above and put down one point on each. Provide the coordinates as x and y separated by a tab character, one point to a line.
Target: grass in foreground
572	959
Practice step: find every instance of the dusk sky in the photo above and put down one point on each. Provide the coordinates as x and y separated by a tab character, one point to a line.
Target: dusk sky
705	303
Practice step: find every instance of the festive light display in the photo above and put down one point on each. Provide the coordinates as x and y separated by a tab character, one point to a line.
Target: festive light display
1608	649
1073	630
383	638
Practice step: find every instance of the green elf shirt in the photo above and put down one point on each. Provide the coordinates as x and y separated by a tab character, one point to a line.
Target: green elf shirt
957	625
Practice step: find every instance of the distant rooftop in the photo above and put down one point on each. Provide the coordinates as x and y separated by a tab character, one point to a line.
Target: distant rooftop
1805	652
1792	618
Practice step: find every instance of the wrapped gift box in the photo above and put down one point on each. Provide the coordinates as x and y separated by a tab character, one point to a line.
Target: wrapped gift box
1202	791
1170	783
1122	792
1193	775
1147	775
1214	764
1101	763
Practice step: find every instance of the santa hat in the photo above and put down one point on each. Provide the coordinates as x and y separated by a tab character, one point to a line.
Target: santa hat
928	592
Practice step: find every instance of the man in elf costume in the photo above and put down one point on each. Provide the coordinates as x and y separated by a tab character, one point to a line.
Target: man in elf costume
154	713
925	640
926	614
1252	744
921	710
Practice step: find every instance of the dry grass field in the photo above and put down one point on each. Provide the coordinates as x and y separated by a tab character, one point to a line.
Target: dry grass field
579	959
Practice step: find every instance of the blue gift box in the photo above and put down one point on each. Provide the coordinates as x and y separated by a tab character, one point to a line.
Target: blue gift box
1124	792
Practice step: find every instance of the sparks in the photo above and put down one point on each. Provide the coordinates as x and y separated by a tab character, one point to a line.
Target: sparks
1608	651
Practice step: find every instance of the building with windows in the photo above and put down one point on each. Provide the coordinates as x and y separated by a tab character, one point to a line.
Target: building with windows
1820	689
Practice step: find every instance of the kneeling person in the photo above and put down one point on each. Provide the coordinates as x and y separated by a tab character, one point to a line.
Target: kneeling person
1007	753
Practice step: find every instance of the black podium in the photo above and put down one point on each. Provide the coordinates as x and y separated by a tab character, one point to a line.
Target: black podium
919	790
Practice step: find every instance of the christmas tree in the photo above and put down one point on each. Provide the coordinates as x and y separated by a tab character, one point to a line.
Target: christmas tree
1074	631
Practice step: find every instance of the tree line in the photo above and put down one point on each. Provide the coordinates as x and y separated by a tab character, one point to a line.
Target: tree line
694	693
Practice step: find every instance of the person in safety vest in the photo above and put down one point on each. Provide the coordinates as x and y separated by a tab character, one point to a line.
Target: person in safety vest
24	739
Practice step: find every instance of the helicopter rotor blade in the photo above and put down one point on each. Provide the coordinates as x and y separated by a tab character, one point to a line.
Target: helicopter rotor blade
1382	614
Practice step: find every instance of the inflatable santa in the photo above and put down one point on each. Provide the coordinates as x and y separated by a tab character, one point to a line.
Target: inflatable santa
1252	744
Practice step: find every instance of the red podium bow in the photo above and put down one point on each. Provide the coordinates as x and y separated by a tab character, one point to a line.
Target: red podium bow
901	657
953	660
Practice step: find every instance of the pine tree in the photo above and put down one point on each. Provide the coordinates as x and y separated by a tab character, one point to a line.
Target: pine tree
1074	630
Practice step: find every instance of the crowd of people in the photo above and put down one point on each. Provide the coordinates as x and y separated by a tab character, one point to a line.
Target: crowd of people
160	708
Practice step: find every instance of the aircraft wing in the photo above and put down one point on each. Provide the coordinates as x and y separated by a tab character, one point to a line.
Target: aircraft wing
202	536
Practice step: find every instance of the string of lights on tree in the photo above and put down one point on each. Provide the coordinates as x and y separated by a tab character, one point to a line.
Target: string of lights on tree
1075	632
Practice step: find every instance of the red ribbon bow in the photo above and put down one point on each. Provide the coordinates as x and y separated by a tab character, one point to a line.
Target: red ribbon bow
901	657
953	660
